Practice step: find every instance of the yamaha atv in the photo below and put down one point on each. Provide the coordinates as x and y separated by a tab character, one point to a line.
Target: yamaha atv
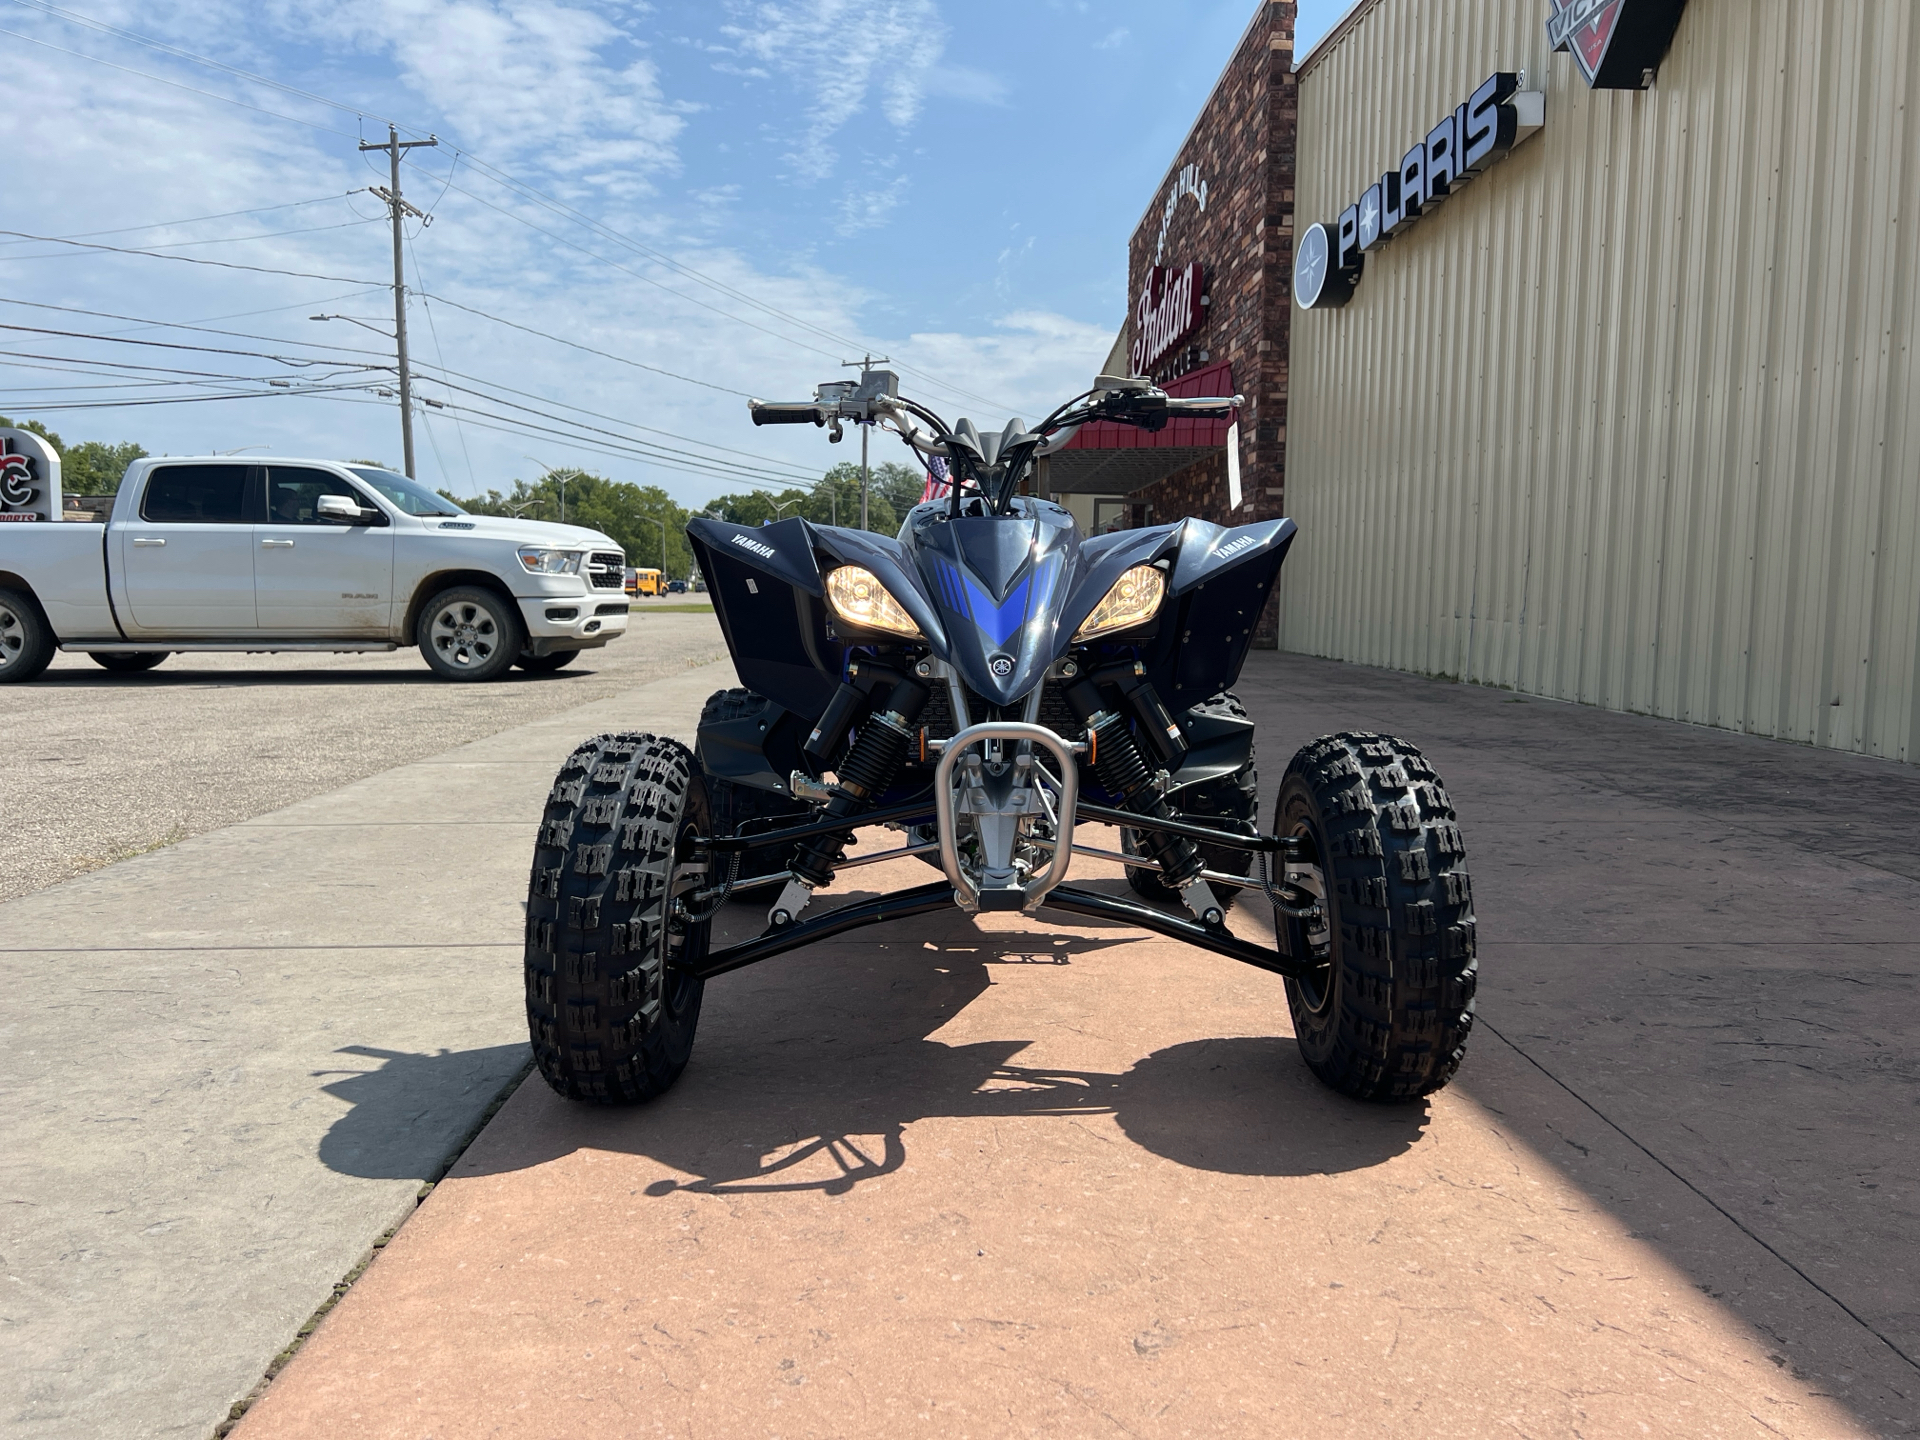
985	684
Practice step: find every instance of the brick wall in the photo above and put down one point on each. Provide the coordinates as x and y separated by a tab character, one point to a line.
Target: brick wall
1243	144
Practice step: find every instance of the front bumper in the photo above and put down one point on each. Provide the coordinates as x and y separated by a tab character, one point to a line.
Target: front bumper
573	622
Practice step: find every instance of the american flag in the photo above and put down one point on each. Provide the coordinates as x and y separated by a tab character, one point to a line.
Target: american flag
937	484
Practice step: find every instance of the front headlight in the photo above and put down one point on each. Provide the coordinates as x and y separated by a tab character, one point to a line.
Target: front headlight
857	597
537	561
1133	600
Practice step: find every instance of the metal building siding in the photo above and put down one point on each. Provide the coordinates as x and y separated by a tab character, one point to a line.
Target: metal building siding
1634	419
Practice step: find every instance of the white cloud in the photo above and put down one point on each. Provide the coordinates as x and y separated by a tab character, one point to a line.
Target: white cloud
1113	39
847	55
517	78
868	209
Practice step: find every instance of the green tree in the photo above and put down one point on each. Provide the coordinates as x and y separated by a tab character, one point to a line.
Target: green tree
895	489
92	467
630	514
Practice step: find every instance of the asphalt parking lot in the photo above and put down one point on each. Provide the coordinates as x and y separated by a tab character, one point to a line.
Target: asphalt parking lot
101	767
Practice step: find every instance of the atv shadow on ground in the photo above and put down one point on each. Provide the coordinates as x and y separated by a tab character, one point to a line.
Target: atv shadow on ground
810	1069
410	1112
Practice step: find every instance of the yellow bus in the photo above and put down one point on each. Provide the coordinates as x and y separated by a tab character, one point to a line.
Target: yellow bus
646	582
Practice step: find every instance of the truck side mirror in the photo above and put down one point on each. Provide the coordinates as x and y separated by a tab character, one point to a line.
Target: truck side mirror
340	507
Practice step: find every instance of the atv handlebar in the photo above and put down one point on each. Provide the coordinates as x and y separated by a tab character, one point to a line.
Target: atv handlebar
786	412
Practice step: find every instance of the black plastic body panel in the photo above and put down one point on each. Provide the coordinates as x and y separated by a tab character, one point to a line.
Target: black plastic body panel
985	591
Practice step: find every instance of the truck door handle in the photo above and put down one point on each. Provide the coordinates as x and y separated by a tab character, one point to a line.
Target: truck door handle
148	540
276	544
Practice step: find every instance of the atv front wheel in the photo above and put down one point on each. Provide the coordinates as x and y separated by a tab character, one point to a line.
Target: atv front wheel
610	1014
1231	802
1387	1015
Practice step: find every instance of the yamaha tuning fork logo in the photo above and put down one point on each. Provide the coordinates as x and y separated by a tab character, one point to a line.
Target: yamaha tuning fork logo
1618	44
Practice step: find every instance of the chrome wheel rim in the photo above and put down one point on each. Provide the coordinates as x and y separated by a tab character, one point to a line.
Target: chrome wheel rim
13	637
465	635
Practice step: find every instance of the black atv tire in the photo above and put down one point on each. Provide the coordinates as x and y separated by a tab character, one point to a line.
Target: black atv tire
548	663
26	642
610	1016
127	662
1388	1017
735	805
1231	802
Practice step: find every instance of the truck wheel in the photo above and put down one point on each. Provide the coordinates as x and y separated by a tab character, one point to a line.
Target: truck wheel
26	644
1387	1016
467	633
126	662
735	805
610	1015
548	663
1231	803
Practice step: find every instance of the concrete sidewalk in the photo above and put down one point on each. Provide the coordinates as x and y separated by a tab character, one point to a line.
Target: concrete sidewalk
227	1066
1035	1178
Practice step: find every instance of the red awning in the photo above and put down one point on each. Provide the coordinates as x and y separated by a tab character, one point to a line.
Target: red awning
1111	459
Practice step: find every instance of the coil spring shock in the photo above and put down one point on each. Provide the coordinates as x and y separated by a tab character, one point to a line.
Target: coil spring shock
1123	771
870	768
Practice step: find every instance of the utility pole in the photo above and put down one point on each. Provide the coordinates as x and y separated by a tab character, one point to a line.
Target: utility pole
399	209
866	474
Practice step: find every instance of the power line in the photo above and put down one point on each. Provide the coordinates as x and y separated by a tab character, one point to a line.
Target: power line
196	260
644	279
595	414
196	220
176	84
502	178
588	349
183	244
202	329
181	345
180	54
641	449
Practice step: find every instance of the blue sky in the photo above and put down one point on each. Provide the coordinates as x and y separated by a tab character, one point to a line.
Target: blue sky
739	193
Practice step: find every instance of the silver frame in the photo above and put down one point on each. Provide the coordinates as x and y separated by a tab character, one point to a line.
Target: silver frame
964	892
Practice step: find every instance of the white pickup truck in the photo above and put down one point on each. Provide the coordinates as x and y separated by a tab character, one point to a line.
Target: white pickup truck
249	554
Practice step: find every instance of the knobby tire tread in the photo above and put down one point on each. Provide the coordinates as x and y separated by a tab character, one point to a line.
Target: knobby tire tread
609	1023
1403	956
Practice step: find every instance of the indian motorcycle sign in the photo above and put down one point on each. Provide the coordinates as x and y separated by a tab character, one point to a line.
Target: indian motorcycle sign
1478	133
1172	306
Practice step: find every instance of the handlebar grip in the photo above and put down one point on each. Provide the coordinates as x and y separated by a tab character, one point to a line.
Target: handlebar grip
786	412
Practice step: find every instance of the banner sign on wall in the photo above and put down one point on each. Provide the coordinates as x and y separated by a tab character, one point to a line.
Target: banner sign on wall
1618	44
1330	258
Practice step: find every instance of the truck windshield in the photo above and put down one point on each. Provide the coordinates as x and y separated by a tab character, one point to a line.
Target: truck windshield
410	495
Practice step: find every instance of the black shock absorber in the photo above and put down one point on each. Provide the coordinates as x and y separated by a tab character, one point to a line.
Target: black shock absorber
1123	771
871	766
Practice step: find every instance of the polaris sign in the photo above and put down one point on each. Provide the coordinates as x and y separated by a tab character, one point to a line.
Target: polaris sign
1497	117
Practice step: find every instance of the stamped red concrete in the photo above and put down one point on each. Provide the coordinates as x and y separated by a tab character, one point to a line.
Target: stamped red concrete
1030	1179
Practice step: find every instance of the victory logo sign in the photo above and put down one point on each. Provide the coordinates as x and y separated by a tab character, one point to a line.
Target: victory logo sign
1618	44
